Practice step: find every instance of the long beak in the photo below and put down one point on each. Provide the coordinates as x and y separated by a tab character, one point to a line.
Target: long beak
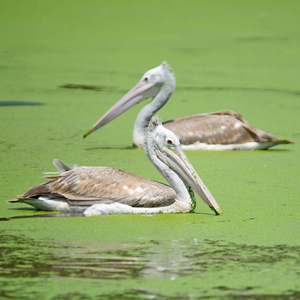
180	163
138	93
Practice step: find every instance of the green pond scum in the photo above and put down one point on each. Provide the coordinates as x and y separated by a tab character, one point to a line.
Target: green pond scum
64	63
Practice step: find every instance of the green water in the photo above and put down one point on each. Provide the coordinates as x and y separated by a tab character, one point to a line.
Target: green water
64	63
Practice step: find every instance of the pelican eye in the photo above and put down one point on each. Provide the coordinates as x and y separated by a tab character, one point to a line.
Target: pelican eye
170	142
146	79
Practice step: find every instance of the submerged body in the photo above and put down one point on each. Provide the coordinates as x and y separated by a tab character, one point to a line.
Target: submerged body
223	130
104	190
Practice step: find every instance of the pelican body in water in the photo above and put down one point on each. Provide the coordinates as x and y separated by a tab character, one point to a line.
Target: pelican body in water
104	190
222	130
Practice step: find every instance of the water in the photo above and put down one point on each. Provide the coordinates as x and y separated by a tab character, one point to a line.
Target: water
63	64
149	269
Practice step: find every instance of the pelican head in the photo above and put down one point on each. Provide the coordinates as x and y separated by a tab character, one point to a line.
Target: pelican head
164	145
158	83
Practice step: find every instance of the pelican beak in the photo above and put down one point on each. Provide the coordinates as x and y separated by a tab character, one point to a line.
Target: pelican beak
178	161
138	93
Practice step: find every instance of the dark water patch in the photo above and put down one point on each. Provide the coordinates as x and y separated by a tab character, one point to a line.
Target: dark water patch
111	148
87	87
239	89
20	103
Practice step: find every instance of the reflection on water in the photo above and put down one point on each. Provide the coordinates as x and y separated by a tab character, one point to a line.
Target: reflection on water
23	257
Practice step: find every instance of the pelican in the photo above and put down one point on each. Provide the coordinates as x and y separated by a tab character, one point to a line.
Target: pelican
222	130
104	190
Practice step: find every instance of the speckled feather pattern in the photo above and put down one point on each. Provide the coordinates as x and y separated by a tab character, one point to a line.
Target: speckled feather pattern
224	127
93	185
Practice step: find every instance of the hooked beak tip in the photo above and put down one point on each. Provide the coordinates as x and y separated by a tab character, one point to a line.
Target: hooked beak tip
87	133
217	212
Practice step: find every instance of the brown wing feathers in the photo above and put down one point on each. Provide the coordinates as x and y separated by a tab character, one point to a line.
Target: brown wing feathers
223	127
91	185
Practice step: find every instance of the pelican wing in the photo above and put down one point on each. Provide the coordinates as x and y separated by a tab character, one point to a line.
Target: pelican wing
223	127
93	185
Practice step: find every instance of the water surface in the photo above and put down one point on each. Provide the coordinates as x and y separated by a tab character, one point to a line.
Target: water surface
63	64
